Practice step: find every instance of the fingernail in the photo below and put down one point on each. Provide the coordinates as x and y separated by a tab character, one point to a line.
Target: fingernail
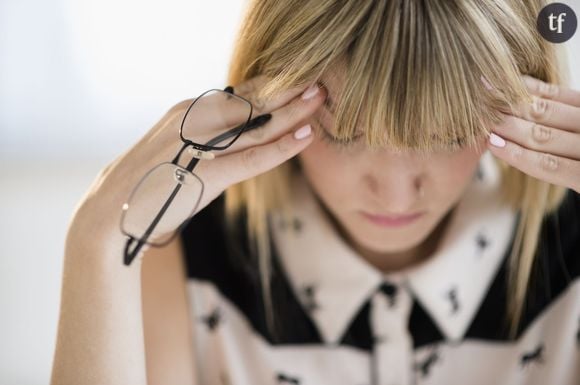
310	92
302	132
496	140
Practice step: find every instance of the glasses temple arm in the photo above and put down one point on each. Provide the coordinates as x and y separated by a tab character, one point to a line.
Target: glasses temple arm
252	124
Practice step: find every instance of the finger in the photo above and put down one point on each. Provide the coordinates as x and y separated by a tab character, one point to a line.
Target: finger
538	137
552	91
545	166
239	166
561	109
550	113
290	116
250	88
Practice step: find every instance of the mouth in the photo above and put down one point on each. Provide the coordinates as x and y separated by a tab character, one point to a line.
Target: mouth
392	221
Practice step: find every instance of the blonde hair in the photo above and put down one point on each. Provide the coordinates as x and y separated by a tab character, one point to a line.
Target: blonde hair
412	78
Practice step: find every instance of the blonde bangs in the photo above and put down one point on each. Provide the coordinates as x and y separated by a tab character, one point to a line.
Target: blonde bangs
412	70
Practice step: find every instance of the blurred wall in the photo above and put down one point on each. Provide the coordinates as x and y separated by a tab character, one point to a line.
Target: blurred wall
80	82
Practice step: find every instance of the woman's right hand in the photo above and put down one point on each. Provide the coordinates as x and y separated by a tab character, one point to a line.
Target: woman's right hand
255	152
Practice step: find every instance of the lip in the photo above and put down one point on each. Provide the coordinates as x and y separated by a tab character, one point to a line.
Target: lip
390	221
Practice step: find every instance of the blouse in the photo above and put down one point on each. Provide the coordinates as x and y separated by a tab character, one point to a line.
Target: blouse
340	320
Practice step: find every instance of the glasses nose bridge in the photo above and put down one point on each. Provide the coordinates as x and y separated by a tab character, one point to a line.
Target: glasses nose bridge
197	155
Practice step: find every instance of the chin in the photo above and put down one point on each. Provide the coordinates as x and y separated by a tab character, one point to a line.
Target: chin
386	245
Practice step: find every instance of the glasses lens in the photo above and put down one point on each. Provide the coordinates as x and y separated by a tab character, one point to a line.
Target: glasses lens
141	217
215	114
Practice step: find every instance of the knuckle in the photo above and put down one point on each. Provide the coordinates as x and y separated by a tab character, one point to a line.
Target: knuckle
258	103
548	162
540	108
250	158
249	88
541	133
548	90
245	87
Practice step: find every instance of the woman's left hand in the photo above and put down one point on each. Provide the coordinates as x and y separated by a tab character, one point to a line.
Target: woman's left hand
542	138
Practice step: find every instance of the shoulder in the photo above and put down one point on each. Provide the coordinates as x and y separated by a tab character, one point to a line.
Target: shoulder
557	264
556	268
559	239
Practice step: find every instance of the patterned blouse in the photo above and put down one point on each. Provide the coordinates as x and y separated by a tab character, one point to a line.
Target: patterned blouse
339	320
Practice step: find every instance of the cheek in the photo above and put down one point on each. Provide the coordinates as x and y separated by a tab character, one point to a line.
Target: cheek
330	171
455	171
320	160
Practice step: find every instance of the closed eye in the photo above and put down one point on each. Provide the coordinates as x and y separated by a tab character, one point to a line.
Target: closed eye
326	136
457	143
453	144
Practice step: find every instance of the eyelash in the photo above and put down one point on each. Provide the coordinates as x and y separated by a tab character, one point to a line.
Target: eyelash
343	144
458	143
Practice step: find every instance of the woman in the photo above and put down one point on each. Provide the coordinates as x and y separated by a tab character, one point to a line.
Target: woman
296	269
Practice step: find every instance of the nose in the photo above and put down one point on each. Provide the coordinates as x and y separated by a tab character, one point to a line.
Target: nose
393	182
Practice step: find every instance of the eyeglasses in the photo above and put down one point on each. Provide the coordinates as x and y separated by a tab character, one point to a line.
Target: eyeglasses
167	196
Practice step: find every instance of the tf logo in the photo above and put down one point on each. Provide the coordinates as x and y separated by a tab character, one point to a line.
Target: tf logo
557	22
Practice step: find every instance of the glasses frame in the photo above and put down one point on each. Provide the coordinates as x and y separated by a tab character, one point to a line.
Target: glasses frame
202	149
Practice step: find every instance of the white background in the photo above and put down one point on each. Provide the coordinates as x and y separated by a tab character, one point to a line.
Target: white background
80	82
